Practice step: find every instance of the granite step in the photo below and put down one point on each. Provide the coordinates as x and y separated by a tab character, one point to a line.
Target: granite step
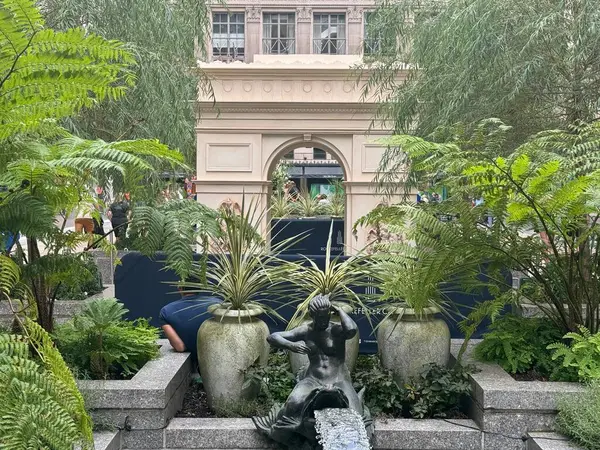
403	434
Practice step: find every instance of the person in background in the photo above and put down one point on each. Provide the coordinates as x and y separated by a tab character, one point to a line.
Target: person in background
323	200
292	191
181	319
118	215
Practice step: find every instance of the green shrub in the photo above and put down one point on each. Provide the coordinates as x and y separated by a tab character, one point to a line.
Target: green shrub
583	354
579	417
98	343
519	345
382	395
274	382
437	391
81	283
40	406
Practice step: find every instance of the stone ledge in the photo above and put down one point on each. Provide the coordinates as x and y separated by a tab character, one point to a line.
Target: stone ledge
426	434
107	440
63	309
147	401
495	390
549	441
506	409
399	434
150	388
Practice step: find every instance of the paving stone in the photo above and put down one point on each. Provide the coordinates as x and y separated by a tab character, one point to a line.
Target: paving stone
143	439
107	440
550	441
408	434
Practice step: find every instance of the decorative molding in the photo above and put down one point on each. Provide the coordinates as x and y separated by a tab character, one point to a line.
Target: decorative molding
304	14
228	157
257	108
291	3
371	156
253	14
355	15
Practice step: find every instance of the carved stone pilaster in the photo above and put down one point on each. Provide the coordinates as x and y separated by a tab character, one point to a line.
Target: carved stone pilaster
253	14
304	14
355	15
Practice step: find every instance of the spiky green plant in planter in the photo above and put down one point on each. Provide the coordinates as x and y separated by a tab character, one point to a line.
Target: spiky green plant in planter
280	206
335	281
244	271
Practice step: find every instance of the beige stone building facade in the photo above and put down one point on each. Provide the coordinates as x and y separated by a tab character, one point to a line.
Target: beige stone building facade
284	79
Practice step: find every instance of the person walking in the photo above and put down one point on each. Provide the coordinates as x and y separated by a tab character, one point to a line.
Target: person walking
118	214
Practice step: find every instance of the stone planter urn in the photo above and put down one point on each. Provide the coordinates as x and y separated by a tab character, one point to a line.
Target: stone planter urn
297	360
408	342
228	344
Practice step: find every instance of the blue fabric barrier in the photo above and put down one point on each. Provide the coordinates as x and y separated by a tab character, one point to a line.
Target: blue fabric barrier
144	286
316	235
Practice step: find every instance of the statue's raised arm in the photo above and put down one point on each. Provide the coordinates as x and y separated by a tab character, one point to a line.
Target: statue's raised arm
347	328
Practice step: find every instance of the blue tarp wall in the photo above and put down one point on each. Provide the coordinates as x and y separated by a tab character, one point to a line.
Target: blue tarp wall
145	287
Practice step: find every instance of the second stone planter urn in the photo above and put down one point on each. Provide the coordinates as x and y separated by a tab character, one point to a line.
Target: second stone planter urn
408	341
228	344
297	360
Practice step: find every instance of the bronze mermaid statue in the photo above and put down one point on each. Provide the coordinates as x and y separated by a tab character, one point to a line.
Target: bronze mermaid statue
324	383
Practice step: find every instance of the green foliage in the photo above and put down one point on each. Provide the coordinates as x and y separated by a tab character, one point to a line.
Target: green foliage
245	266
175	227
583	353
520	344
548	184
162	35
423	269
307	205
579	417
40	406
100	344
280	176
275	380
382	395
46	74
334	280
535	66
280	206
83	284
438	391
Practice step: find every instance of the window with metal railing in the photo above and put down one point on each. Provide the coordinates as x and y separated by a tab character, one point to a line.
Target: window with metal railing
279	33
329	34
228	40
372	38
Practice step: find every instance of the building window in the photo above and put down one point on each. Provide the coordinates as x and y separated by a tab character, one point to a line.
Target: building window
279	33
319	154
329	34
228	36
372	40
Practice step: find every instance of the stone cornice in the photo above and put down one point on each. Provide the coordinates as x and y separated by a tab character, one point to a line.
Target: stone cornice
287	107
295	3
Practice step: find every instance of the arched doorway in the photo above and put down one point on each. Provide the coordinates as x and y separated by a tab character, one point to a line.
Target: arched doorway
307	196
265	109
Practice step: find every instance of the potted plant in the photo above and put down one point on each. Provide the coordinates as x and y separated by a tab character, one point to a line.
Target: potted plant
335	280
280	206
412	334
308	206
235	337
